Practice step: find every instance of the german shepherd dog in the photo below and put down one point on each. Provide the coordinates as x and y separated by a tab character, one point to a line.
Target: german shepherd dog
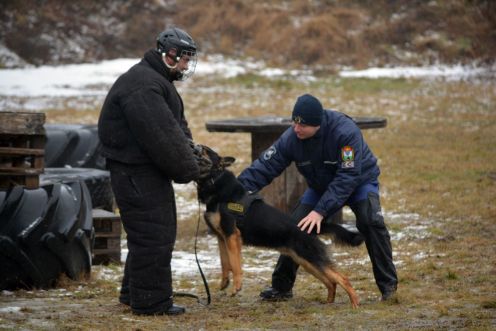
261	225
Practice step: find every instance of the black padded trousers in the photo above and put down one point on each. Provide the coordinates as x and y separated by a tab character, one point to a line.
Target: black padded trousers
148	212
370	223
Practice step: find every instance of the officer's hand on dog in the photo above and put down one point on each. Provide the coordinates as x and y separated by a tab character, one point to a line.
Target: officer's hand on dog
311	220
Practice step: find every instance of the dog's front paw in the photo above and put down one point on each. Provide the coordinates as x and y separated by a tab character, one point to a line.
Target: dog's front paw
235	291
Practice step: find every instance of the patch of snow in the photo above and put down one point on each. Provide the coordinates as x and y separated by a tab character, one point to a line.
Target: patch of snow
105	273
217	64
62	81
10	309
420	256
272	72
457	72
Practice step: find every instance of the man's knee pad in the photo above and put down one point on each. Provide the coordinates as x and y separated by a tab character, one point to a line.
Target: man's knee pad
375	212
368	213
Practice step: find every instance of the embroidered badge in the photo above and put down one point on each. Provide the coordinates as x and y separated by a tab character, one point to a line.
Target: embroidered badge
237	207
347	153
298	120
269	153
348	157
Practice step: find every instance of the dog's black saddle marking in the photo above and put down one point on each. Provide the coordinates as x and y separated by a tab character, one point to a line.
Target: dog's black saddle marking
239	208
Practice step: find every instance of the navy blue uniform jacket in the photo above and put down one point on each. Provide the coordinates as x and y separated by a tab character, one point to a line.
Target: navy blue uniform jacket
335	162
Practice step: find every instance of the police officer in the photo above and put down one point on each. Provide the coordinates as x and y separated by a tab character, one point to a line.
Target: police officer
330	153
145	139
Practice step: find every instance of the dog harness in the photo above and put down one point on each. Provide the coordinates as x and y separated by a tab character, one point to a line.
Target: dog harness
239	208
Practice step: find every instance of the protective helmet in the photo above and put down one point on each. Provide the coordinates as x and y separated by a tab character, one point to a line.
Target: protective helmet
176	43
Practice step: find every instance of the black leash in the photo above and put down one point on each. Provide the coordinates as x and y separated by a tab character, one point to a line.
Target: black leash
205	283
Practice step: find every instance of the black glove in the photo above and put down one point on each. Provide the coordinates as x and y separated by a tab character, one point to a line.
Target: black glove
202	159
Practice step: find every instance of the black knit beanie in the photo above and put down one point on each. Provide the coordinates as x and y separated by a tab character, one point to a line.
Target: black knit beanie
307	110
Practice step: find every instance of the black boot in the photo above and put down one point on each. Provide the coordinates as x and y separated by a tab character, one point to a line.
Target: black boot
172	310
389	294
272	294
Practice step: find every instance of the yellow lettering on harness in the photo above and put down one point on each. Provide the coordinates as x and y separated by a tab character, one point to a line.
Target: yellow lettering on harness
237	207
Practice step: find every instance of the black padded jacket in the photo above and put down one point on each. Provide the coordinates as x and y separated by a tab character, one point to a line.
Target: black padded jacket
142	121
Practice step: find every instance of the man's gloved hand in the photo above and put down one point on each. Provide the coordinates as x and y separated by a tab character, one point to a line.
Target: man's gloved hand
202	159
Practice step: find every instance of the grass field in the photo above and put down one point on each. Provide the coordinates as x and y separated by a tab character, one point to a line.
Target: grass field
437	156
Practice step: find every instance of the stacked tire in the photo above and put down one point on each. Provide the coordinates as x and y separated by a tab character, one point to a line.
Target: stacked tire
70	145
44	232
74	152
48	231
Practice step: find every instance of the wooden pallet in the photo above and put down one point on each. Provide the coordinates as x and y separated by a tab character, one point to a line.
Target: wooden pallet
108	230
22	149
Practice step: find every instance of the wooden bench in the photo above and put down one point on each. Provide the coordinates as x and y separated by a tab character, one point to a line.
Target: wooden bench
284	191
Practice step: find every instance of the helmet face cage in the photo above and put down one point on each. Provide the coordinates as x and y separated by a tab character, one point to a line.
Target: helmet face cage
177	44
192	60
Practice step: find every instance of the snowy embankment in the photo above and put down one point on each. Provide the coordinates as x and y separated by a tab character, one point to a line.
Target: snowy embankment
37	88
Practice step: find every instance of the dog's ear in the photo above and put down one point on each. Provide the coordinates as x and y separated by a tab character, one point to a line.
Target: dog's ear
226	161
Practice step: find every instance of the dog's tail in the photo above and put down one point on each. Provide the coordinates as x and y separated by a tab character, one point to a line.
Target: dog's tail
343	235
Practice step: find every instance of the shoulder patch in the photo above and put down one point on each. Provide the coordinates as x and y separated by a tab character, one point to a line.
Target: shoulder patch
269	153
347	153
348	157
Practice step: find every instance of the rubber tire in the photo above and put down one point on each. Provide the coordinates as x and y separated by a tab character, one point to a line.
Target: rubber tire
43	233
96	180
73	145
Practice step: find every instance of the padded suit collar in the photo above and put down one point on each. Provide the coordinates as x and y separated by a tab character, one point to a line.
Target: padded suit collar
154	59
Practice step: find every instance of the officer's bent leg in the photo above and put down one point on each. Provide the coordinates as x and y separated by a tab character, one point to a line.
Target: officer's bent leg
284	274
370	223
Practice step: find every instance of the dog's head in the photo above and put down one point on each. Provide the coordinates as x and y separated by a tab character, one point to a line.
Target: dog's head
212	167
210	162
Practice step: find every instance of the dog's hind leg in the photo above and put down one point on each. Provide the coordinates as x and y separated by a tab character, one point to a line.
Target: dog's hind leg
233	244
329	283
331	293
329	277
345	284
